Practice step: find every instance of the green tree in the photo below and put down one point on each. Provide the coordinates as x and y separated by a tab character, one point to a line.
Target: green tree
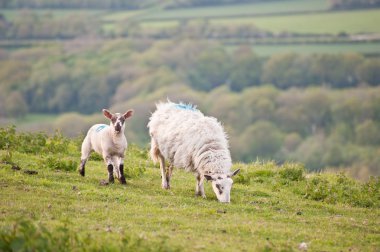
15	105
246	70
369	71
287	70
211	70
262	140
368	133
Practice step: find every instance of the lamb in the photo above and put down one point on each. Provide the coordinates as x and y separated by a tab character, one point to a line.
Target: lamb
110	142
186	138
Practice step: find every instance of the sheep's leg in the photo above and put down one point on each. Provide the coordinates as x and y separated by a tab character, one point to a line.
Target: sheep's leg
164	180
110	169
82	167
85	153
121	169
168	174
199	189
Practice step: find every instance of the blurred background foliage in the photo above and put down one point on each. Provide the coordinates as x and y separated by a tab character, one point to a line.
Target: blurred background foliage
291	80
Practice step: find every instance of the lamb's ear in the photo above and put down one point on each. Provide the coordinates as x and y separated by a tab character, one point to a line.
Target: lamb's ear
235	172
107	114
128	114
208	177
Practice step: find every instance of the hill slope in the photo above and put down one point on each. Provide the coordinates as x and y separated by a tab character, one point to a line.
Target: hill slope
272	209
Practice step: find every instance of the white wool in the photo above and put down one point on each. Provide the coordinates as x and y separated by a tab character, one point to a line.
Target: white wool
189	140
110	142
106	143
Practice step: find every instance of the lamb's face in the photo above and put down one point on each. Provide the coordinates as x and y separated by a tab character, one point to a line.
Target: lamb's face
117	120
222	184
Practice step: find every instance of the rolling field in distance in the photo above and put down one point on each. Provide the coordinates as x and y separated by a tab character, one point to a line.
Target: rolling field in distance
263	8
314	23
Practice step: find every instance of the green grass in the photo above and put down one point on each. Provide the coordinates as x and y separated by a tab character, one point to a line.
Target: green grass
119	16
321	23
36	118
263	8
318	23
272	209
268	50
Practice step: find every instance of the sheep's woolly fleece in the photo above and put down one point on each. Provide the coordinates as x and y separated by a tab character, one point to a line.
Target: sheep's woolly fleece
190	140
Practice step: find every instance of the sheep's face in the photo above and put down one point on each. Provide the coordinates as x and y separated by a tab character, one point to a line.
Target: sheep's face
222	184
117	119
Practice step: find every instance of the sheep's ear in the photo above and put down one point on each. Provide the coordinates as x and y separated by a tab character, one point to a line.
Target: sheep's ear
208	177
235	172
107	114
128	114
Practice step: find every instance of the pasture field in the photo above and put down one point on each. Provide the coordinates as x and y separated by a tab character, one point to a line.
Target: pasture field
319	23
238	10
272	208
315	23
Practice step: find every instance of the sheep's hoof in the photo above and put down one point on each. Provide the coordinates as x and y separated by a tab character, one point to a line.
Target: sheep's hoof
81	172
199	194
111	180
122	181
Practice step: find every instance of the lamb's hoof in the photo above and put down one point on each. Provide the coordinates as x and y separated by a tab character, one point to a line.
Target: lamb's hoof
122	181
81	172
166	187
103	182
111	180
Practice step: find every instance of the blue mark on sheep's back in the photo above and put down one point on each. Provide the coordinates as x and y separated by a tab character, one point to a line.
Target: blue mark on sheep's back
99	128
185	107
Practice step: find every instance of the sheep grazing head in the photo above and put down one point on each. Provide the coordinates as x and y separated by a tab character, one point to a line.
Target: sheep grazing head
222	184
117	119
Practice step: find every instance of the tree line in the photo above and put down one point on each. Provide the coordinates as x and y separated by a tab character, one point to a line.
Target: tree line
86	75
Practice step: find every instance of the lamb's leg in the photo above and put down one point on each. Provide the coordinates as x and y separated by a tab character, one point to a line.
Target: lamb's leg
121	169
164	180
110	169
199	189
85	153
110	173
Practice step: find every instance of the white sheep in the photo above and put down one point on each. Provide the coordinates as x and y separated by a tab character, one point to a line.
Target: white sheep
110	142
186	138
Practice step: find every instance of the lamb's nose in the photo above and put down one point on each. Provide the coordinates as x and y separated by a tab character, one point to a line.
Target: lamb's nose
118	127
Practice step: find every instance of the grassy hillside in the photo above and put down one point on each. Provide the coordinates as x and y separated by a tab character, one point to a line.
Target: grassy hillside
273	208
314	23
253	9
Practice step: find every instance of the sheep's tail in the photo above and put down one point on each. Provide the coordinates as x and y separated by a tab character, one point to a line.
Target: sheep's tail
154	151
